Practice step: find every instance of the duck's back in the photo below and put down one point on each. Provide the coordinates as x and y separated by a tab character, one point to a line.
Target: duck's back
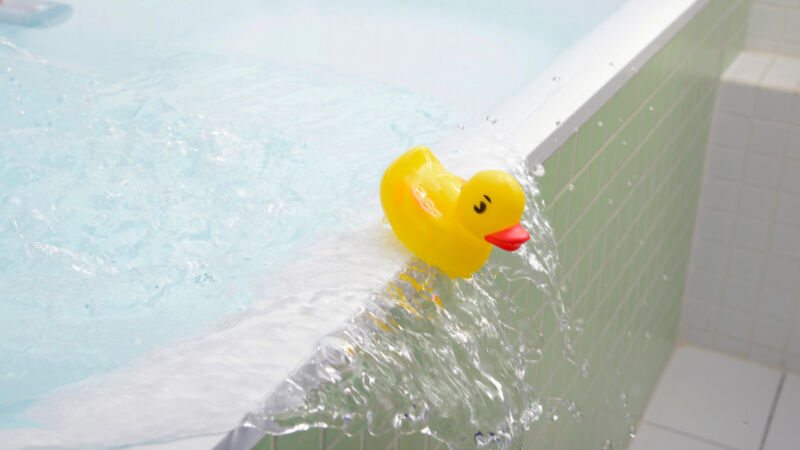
419	198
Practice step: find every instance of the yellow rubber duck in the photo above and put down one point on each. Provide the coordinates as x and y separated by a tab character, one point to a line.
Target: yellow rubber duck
446	221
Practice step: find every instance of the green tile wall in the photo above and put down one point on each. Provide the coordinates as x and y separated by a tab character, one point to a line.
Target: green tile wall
621	195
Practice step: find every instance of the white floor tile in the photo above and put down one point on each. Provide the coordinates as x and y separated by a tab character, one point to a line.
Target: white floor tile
784	432
748	67
714	397
650	437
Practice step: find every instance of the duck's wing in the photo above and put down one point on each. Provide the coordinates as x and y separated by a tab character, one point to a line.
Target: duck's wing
438	195
417	191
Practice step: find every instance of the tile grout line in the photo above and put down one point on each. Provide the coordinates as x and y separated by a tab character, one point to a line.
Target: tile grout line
629	344
629	229
694	238
772	411
615	346
616	342
726	275
688	435
640	107
738	214
631	156
608	326
648	170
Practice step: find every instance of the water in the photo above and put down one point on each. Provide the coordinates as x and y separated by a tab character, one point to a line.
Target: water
165	165
449	358
128	219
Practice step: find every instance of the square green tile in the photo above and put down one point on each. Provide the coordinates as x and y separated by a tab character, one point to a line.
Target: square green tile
302	440
337	440
566	156
380	442
413	442
264	444
584	148
547	183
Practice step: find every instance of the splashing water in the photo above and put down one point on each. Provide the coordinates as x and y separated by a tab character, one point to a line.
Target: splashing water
449	358
136	211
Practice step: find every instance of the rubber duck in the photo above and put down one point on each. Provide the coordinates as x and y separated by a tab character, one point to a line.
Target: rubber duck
446	221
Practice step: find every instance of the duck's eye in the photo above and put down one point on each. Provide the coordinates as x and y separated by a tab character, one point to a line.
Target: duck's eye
479	208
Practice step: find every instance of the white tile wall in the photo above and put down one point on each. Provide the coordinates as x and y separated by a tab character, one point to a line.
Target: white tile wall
775	27
743	293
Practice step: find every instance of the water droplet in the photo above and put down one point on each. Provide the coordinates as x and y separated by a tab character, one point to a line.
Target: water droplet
599	123
557	78
573	410
571	187
460	126
491	119
532	413
538	171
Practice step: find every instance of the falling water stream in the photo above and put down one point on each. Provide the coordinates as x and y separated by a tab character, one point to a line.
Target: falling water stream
449	358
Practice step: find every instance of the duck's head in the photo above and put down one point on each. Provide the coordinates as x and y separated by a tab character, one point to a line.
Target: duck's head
490	206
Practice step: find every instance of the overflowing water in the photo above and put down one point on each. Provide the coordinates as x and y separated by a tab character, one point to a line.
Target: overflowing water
449	358
129	221
135	211
166	167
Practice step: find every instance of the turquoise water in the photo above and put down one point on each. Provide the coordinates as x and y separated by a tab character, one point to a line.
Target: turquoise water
128	221
158	158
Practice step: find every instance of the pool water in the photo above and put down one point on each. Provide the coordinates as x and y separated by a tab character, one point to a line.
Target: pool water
127	221
157	158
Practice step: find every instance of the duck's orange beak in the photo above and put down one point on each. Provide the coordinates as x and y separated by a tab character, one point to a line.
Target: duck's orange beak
509	239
